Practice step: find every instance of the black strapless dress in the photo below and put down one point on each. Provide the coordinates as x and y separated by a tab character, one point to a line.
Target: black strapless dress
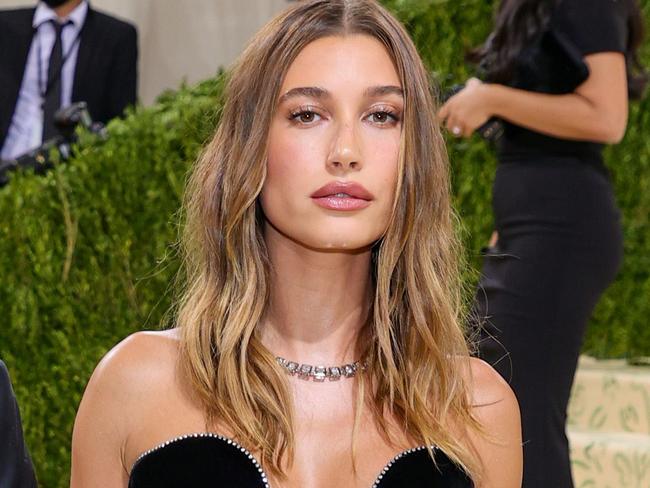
209	460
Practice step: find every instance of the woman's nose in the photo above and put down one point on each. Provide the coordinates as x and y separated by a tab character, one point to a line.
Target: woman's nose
345	154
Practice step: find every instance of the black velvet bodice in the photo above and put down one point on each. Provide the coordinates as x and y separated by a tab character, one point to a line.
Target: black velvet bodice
209	460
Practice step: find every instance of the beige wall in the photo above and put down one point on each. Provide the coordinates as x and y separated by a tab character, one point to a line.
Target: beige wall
184	39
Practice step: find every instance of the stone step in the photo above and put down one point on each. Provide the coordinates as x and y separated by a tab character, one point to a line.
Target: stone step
609	460
610	396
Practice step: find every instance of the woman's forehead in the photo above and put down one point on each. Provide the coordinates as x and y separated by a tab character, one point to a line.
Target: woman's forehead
342	64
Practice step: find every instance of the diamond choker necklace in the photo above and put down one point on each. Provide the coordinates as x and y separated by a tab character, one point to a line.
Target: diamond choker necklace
320	373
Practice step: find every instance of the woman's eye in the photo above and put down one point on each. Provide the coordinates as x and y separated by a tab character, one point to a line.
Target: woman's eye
379	117
383	117
305	116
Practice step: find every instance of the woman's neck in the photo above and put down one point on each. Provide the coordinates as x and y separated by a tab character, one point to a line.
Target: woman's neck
319	302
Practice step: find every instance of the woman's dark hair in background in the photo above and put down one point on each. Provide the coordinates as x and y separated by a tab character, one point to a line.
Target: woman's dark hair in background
518	24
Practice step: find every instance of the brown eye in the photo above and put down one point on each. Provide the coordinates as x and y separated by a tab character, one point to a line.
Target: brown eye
305	117
382	117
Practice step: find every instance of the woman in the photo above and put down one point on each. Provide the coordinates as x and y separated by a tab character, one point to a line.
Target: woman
318	233
558	74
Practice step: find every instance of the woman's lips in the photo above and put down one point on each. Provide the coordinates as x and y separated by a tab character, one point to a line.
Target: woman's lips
342	195
335	202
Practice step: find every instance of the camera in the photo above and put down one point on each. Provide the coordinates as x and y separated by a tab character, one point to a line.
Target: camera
66	121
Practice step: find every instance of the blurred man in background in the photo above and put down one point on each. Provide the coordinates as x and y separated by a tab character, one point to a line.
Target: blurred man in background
16	469
60	52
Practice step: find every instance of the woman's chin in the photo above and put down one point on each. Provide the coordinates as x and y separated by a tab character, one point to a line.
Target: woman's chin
336	245
330	244
346	246
324	237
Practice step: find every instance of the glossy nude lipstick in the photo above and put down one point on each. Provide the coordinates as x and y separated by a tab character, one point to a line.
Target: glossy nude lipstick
343	196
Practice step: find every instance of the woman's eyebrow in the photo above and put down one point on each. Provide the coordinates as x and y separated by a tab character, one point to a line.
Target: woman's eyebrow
322	93
305	91
381	91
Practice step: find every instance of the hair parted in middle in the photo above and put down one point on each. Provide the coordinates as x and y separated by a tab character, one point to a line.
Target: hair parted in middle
416	352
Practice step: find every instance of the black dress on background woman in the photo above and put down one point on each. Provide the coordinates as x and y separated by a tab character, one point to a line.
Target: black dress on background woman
559	247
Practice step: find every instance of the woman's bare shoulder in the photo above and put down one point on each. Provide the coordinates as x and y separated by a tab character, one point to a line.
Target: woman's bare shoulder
139	366
141	350
488	387
140	361
499	445
121	392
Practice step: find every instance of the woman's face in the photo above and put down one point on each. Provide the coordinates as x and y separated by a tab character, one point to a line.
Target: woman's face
333	145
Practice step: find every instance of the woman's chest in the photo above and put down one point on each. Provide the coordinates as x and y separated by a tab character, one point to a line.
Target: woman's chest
208	460
332	451
333	446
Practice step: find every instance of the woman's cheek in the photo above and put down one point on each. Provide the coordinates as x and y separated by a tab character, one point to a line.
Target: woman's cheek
291	167
291	154
384	159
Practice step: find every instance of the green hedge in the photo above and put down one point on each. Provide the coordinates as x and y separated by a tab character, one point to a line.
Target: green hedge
87	252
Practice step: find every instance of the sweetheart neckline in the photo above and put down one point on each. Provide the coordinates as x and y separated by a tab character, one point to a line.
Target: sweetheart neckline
263	476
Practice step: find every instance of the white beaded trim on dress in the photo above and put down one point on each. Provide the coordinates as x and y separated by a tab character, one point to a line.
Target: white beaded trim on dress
228	440
253	459
390	463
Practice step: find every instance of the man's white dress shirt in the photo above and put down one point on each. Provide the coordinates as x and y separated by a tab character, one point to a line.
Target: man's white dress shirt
26	129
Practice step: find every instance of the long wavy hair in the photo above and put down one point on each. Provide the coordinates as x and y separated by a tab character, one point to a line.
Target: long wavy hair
519	22
416	349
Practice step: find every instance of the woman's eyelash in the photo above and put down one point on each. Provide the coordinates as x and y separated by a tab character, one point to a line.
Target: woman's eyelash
385	112
297	114
309	115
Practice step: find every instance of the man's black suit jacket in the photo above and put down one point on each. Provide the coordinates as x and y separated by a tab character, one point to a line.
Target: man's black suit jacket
16	469
106	71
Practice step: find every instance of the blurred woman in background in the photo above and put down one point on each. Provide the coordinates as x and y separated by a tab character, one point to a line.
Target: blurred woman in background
559	75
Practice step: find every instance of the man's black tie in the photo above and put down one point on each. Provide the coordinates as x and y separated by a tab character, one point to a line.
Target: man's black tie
52	100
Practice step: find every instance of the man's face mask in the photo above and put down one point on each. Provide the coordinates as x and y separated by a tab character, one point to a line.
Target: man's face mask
54	3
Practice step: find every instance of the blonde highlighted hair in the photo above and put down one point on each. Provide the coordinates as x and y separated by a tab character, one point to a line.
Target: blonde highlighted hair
417	351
